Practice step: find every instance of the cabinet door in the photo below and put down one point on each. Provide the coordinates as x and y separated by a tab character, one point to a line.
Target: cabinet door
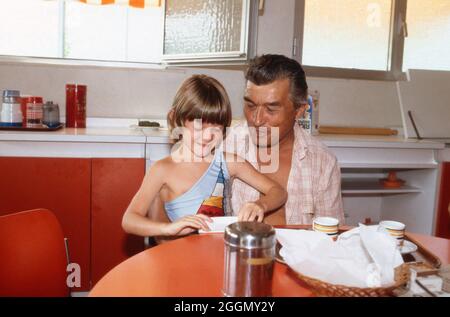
443	220
114	183
61	185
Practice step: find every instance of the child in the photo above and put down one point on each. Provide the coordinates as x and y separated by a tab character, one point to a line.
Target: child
190	181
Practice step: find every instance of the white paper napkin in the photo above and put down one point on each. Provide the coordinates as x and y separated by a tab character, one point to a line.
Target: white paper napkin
362	257
219	224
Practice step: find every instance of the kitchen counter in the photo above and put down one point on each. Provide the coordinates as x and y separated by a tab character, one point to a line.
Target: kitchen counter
416	161
128	135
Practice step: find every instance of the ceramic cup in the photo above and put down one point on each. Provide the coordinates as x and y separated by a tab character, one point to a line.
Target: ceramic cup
327	225
395	229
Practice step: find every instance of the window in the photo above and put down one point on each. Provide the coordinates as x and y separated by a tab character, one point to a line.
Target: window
112	32
360	39
428	43
175	31
205	28
372	39
31	32
347	33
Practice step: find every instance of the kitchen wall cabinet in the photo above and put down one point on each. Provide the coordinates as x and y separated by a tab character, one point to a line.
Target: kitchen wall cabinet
114	183
62	185
88	197
443	219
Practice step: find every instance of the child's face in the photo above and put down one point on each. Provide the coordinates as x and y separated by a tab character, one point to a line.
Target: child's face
201	138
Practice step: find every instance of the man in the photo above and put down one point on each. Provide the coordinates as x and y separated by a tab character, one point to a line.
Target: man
275	97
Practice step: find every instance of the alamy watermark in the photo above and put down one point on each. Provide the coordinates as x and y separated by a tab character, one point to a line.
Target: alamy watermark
258	145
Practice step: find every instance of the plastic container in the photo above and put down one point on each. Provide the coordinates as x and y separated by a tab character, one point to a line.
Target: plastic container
76	106
249	259
11	112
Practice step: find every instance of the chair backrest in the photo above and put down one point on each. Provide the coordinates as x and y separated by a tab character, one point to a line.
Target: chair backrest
33	258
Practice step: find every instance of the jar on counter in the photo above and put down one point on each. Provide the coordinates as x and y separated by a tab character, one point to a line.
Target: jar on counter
76	106
33	112
51	114
11	112
249	259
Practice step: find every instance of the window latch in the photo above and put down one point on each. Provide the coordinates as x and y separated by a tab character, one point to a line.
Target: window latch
405	29
261	7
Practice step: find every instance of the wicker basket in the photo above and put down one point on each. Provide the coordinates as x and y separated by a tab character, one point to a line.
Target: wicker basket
320	288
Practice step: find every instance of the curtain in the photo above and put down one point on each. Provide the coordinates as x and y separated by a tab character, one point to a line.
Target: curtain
132	3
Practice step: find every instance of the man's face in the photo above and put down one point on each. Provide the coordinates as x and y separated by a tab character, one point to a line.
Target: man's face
269	106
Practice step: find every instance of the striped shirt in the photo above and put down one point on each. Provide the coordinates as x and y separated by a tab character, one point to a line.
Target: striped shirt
314	183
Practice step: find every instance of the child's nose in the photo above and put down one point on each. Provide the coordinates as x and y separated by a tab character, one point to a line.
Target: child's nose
207	135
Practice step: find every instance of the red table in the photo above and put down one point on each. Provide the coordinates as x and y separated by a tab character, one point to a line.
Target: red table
193	266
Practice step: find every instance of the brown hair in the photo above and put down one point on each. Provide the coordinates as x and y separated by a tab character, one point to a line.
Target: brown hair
200	97
266	69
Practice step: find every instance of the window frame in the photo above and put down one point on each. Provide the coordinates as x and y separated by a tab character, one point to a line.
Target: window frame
398	33
223	60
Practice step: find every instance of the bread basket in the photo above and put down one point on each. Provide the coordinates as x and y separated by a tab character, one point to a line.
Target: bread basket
321	288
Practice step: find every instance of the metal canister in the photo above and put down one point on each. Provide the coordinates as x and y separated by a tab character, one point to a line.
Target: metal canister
11	111
249	259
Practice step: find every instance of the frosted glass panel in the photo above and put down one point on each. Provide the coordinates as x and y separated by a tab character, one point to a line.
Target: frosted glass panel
347	33
428	42
29	28
203	26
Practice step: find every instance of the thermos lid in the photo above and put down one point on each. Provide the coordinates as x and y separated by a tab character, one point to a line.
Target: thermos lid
11	93
250	235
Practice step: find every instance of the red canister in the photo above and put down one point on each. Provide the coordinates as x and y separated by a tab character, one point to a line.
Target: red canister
32	111
76	106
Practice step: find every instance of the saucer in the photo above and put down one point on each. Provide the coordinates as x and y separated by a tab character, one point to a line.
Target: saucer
408	247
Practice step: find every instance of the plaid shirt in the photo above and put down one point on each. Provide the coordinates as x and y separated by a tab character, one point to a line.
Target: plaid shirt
314	184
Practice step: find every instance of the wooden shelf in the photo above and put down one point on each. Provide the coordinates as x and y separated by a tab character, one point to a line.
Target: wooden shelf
361	186
397	166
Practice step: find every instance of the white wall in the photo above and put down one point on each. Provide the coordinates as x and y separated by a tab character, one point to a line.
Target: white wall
114	92
148	93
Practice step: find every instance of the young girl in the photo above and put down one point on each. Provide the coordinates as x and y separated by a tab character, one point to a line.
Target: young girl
190	181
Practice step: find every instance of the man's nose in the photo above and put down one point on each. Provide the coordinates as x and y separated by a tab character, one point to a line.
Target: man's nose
258	117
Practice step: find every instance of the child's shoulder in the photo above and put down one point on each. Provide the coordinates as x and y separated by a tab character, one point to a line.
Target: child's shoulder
163	165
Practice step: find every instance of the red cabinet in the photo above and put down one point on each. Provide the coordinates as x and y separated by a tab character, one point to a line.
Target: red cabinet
443	220
88	196
62	185
114	183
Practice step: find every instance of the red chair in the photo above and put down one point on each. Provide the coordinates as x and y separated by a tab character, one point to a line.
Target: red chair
33	258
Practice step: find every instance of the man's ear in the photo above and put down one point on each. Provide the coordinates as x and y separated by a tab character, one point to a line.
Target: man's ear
300	112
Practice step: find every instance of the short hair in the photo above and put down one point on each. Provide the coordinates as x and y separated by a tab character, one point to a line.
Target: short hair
266	69
200	97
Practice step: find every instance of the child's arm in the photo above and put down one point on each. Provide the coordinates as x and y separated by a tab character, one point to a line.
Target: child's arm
274	195
134	220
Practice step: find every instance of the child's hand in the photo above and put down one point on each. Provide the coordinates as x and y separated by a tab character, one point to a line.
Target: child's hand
251	212
187	225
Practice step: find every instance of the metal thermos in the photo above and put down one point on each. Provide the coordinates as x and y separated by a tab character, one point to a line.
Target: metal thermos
249	259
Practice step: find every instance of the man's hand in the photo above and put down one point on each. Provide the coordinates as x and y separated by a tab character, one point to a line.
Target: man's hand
253	211
187	225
